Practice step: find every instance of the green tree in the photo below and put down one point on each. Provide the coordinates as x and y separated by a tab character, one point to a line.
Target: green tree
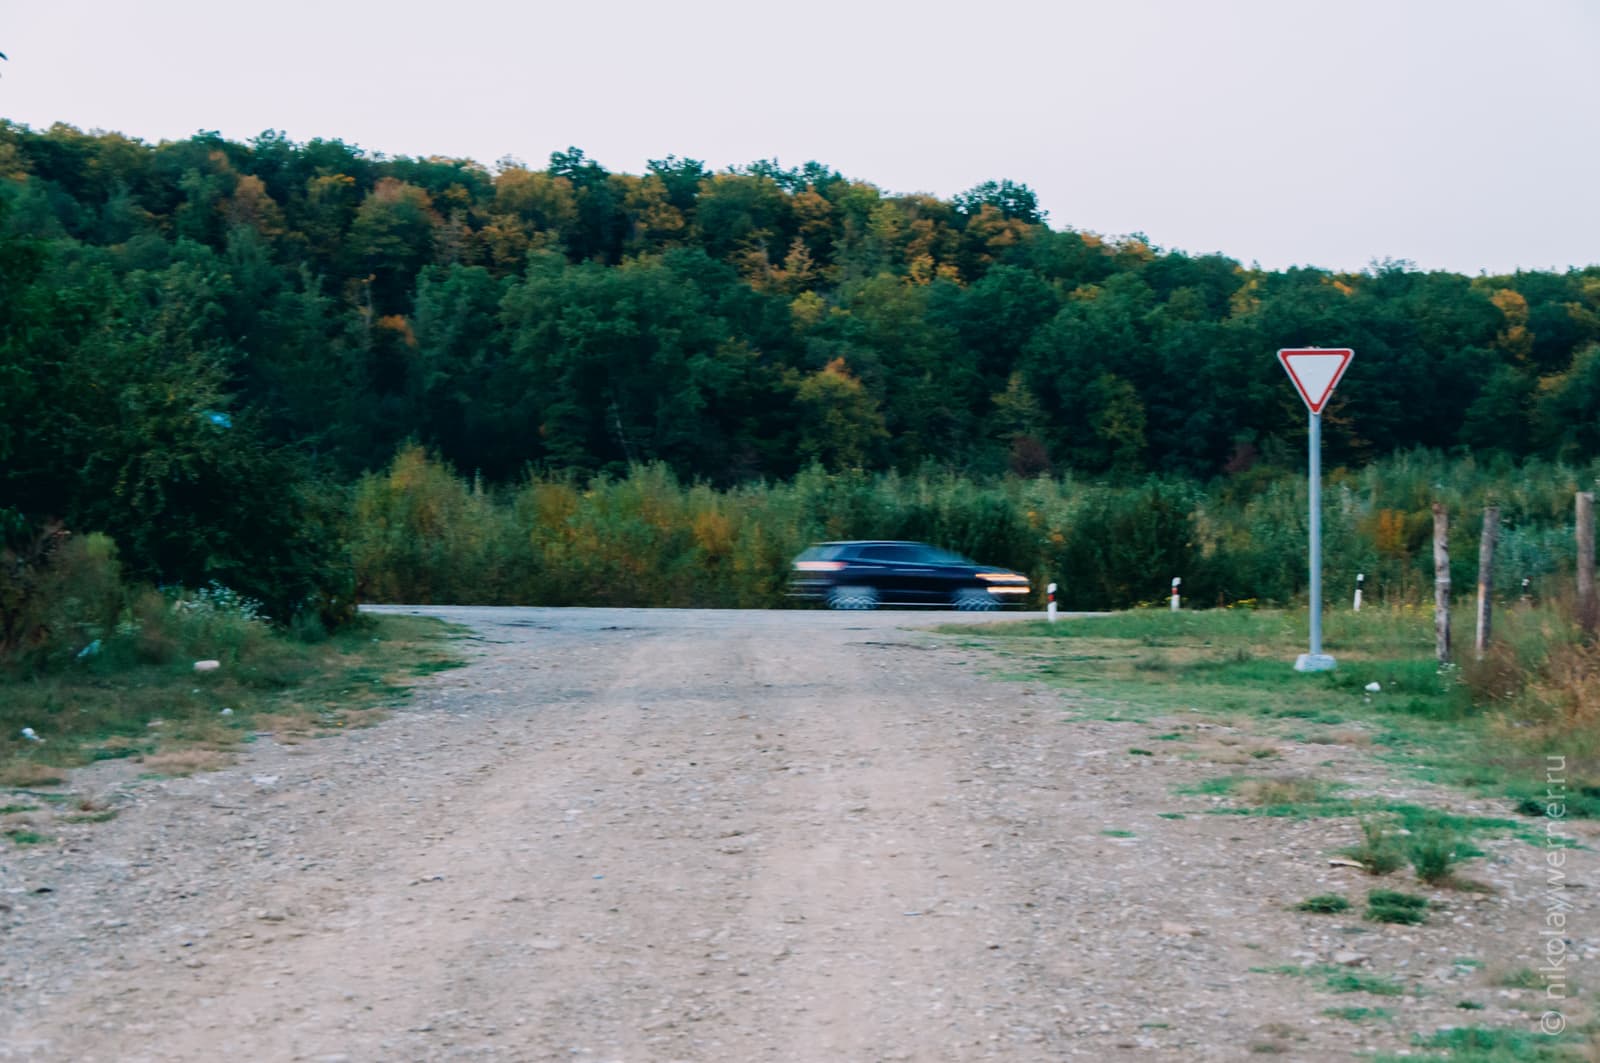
460	347
1012	200
1567	410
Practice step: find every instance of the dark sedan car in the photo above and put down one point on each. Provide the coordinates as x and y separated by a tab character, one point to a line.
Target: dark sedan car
864	575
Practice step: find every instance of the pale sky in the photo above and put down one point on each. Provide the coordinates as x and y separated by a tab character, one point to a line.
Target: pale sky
1458	134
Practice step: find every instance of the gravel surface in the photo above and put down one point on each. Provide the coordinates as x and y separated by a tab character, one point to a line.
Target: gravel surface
723	836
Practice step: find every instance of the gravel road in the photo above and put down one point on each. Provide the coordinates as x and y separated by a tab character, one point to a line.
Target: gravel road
727	836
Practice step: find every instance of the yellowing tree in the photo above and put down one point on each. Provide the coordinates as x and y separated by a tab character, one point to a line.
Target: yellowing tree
1514	339
531	210
251	205
656	223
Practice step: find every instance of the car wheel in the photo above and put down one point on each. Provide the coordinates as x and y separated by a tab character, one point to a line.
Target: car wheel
974	600
853	598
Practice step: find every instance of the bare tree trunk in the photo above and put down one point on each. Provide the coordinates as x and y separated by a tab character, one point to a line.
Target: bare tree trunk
1588	608
1441	581
1491	535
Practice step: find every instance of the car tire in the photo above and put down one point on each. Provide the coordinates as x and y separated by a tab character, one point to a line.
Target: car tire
974	600
853	598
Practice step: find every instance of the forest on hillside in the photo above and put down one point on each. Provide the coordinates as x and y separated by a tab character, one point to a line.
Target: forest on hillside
198	337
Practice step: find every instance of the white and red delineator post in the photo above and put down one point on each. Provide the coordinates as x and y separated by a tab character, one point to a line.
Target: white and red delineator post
1315	371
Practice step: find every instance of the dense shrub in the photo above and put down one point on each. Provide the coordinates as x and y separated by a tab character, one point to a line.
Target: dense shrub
58	594
1123	547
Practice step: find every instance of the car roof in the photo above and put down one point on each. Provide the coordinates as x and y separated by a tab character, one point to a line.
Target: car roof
873	542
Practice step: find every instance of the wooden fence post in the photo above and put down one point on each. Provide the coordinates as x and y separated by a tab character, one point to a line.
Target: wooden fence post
1491	535
1441	581
1588	608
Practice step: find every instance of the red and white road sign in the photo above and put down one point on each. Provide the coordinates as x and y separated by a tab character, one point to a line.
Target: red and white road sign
1315	371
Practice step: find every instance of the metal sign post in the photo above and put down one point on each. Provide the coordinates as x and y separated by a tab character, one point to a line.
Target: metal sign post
1316	372
1316	660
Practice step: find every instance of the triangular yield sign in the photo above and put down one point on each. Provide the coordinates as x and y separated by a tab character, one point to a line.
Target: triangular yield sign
1315	371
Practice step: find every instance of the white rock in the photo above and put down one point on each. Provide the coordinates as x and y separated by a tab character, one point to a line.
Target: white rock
207	666
1373	688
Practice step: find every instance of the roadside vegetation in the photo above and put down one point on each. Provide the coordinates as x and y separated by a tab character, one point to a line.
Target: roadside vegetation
107	669
420	532
1488	726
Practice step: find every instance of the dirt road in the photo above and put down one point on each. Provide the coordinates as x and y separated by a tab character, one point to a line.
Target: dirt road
713	836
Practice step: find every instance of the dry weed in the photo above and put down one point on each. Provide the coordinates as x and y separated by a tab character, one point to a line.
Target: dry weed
1343	737
1230	749
186	761
1279	790
284	727
19	771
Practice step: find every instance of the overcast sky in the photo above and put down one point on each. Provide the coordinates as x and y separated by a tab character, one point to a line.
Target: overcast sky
1458	134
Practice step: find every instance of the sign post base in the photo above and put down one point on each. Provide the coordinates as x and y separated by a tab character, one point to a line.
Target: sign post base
1315	662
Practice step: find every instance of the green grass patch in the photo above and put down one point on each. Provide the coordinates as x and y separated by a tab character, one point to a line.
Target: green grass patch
1154	626
91	817
1392	906
1521	978
1481	1044
1535	799
23	836
1324	903
1356	982
1118	833
1220	786
1435	849
1360	1014
1340	980
438	665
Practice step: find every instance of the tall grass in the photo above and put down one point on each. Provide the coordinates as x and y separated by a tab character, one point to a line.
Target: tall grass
421	532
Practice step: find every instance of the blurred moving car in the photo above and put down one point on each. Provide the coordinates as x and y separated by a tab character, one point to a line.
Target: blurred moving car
869	573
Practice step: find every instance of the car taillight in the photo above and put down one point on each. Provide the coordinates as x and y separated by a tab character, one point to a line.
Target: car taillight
819	566
1003	577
